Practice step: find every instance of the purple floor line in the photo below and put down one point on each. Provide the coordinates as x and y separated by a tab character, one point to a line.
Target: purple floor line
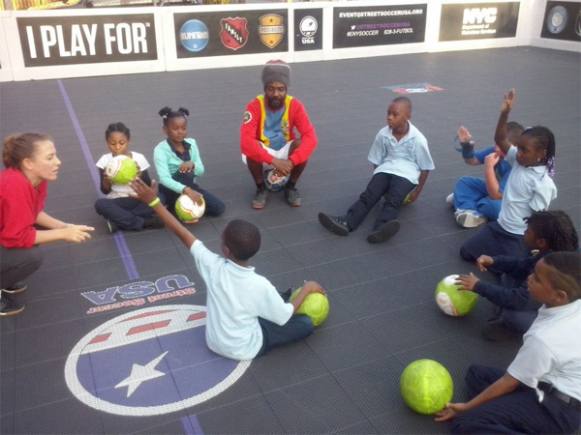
120	241
192	425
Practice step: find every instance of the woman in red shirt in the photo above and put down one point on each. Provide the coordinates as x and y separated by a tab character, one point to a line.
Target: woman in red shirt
30	160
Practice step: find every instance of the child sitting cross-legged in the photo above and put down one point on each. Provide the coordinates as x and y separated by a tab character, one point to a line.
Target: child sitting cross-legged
246	315
540	392
547	231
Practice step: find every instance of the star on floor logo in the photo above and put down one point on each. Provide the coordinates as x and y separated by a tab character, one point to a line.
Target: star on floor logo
149	362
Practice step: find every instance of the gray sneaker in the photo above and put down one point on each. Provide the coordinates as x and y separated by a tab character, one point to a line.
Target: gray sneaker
259	200
469	218
292	196
384	232
9	307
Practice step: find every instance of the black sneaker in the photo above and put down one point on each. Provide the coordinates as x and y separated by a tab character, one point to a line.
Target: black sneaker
292	196
496	330
153	223
259	200
8	307
16	288
384	232
112	227
335	224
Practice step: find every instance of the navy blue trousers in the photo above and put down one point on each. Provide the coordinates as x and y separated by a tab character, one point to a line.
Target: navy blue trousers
394	189
516	413
493	240
298	327
214	206
127	213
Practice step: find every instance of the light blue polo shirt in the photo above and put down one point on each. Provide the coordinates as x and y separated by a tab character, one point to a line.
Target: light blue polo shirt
404	158
528	189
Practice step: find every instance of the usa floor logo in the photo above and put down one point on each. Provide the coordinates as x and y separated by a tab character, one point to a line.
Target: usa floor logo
414	88
149	362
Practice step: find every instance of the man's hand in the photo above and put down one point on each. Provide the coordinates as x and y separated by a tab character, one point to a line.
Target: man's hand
143	192
450	411
508	101
467	282
463	134
187	167
484	262
283	166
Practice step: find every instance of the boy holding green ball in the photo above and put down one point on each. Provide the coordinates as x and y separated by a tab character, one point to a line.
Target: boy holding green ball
246	315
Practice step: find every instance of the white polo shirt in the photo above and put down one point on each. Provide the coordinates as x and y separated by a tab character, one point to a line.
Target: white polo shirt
404	158
237	297
551	351
528	189
122	190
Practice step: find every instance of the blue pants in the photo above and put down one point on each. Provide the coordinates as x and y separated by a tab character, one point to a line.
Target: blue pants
394	189
214	206
297	328
470	194
493	240
127	213
517	412
518	320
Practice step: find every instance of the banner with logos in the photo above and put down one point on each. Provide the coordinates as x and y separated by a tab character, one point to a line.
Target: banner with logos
70	40
378	25
478	21
562	21
308	29
231	32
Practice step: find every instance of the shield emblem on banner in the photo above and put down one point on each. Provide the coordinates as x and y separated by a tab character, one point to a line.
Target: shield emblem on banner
271	29
234	33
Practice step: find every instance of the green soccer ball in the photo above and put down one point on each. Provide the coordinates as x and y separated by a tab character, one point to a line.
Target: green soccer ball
122	170
426	386
315	305
187	210
452	300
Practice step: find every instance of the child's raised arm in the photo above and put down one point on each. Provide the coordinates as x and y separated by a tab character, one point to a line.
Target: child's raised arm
501	134
148	195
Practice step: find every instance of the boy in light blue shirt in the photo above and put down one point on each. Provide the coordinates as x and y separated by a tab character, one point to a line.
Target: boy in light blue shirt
401	161
246	315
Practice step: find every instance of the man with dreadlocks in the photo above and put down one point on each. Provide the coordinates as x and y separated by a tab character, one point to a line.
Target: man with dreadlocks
268	135
547	231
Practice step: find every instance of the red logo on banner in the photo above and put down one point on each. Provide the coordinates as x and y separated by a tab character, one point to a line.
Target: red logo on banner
234	33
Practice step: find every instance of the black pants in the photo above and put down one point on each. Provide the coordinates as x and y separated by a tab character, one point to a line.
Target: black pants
127	213
493	240
214	206
517	412
393	188
17	264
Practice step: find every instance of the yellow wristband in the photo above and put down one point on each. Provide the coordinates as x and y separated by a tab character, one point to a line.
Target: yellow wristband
154	202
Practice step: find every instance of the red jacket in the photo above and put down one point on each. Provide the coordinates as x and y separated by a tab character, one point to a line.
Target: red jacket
253	125
20	204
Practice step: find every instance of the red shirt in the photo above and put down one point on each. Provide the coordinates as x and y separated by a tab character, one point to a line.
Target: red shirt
297	117
20	204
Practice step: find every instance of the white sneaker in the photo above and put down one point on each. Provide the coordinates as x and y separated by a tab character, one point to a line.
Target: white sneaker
469	218
450	200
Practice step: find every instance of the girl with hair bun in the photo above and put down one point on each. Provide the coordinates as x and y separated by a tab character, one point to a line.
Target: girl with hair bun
178	162
30	162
